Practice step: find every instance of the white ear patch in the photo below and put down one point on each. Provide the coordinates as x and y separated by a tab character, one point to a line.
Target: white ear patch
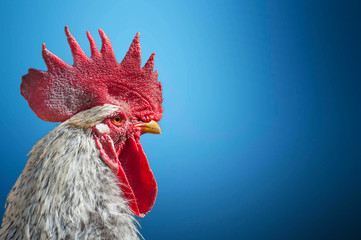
102	128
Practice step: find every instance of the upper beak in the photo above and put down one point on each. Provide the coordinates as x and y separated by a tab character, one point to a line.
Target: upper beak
149	127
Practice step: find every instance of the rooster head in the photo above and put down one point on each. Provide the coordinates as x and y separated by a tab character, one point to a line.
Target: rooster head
127	103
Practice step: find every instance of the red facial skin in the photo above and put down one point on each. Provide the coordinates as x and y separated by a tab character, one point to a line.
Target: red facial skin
122	152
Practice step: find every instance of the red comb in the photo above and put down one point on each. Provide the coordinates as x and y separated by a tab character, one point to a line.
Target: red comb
64	90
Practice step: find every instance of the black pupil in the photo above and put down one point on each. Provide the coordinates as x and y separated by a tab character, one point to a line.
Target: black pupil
117	119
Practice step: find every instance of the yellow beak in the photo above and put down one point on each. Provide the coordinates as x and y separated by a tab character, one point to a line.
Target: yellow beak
150	127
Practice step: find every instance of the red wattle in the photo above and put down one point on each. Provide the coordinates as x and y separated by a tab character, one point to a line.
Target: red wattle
135	177
139	175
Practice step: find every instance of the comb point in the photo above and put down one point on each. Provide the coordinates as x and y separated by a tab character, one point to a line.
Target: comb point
67	32
149	65
93	46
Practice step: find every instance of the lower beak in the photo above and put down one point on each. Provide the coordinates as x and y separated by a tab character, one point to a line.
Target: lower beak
150	127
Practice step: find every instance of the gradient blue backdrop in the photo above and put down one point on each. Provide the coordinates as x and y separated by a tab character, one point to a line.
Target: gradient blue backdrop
261	136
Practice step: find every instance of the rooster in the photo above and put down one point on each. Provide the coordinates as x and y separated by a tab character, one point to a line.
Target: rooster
88	176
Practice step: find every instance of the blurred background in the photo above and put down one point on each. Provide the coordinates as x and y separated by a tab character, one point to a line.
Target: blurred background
261	136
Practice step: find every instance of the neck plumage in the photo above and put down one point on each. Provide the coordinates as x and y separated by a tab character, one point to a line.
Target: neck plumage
67	192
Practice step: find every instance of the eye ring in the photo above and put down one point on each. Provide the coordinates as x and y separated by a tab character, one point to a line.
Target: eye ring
117	120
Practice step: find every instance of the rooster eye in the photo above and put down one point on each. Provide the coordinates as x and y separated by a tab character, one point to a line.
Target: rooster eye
117	120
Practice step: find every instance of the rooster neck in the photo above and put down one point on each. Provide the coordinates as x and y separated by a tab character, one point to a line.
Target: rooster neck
67	192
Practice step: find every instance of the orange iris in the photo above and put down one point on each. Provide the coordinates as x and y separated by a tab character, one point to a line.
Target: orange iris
117	120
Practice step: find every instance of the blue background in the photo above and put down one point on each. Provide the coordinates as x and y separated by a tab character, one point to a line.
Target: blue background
261	136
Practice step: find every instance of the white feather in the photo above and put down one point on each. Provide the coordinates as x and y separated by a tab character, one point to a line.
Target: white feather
66	191
102	128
